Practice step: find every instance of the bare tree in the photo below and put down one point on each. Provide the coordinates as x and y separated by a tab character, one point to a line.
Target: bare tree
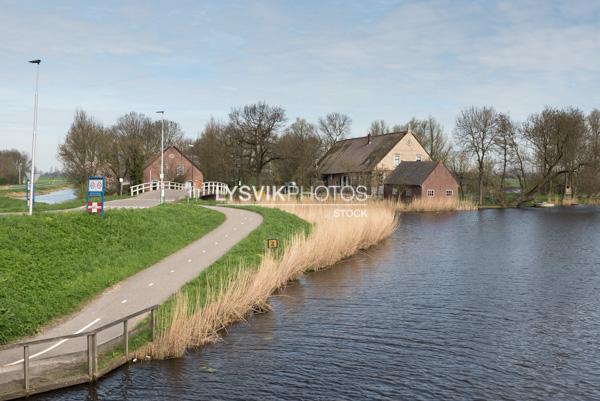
255	129
557	138
214	152
430	134
459	165
334	127
476	132
299	150
379	127
13	165
81	153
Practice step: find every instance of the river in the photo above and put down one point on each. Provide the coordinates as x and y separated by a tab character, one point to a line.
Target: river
495	304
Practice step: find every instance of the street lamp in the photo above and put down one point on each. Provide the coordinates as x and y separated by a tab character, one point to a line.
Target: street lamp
162	153
35	107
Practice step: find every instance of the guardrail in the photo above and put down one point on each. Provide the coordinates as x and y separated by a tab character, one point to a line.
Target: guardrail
154	186
8	385
211	188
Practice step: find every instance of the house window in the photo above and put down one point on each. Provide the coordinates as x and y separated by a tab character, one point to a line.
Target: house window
449	192
430	193
397	159
345	181
180	169
418	158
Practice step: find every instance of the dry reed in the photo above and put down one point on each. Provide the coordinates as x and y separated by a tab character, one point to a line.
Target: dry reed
192	323
435	205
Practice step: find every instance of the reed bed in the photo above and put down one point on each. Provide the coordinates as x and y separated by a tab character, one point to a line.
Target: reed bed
435	205
192	322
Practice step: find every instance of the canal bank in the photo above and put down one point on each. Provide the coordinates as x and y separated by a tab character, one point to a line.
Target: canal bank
437	311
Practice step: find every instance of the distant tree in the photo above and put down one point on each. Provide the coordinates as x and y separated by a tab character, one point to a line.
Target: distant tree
476	132
82	150
214	153
590	176
558	141
13	166
458	163
379	127
334	127
431	135
299	150
254	128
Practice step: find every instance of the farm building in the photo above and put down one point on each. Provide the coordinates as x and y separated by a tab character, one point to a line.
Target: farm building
412	180
369	160
177	166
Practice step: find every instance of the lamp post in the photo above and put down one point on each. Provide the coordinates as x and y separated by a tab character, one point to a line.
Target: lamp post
162	154
35	107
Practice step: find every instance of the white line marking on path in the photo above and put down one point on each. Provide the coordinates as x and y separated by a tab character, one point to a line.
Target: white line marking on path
216	243
226	235
58	343
171	271
189	260
124	301
150	284
204	251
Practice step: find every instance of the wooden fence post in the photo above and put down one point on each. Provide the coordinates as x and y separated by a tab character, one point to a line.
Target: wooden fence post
152	323
90	358
125	340
26	367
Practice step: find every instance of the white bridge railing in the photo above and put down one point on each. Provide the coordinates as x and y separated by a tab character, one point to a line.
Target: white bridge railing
154	186
210	188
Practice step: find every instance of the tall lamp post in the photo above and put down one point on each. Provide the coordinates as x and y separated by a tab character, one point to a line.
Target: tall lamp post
162	156
35	107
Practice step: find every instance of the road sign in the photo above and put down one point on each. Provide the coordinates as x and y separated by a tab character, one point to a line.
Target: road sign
96	185
95	189
95	207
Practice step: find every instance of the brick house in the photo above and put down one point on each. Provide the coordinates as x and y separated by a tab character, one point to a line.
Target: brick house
369	160
413	180
178	167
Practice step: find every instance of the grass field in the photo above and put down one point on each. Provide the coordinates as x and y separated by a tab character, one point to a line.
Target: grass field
50	264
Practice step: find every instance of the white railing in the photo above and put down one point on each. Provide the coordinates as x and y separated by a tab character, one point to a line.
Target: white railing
154	186
211	188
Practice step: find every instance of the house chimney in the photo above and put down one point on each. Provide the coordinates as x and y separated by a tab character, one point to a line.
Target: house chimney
368	139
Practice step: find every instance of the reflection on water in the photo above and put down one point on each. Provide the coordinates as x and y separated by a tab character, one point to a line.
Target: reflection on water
497	304
59	196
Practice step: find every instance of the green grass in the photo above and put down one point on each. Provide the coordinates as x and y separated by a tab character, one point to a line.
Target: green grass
51	263
247	253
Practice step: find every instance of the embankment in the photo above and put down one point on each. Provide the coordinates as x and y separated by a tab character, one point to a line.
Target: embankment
235	288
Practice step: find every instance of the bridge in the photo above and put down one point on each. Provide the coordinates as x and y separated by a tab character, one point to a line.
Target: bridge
177	190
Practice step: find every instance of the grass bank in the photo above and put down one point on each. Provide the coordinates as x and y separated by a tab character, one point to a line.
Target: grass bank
238	285
50	264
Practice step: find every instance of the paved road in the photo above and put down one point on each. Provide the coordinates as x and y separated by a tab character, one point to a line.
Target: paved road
146	288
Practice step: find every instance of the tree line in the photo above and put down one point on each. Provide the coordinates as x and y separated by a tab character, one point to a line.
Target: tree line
492	156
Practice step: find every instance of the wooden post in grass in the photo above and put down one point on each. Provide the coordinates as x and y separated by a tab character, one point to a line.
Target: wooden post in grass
26	367
152	323
90	357
125	340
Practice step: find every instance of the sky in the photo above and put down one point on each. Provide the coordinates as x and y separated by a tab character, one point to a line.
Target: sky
371	60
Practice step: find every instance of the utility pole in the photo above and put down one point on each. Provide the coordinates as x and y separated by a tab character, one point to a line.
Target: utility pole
35	111
162	156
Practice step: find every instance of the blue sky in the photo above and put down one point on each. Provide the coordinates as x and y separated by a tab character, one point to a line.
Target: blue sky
372	60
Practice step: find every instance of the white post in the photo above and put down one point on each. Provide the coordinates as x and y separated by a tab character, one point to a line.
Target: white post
33	144
162	159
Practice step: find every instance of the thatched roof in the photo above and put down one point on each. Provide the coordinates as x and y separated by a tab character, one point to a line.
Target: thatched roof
357	155
411	173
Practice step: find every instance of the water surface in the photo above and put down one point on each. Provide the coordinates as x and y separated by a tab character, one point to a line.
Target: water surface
496	304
